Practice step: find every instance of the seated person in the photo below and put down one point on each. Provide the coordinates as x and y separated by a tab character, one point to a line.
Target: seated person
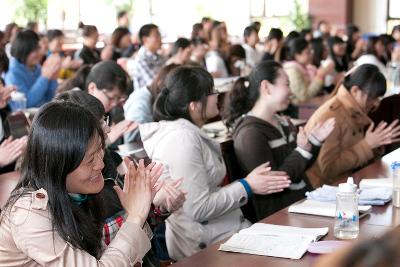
273	45
88	53
38	83
215	63
251	39
374	54
53	216
68	65
260	134
211	212
168	199
120	45
237	65
351	146
388	111
305	81
181	52
147	62
139	106
110	84
337	56
10	149
199	51
77	81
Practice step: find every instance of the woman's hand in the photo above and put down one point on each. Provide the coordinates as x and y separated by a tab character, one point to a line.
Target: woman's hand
170	198
321	131
123	62
382	134
120	129
156	170
138	192
69	63
11	150
324	70
302	140
5	94
107	52
51	67
263	181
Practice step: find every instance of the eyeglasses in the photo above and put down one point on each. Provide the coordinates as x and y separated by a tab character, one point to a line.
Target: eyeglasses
113	99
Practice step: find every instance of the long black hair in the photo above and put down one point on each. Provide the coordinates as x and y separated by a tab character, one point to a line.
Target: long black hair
108	75
341	64
368	79
285	48
245	91
180	43
183	85
296	46
118	34
60	135
78	80
318	48
85	100
25	43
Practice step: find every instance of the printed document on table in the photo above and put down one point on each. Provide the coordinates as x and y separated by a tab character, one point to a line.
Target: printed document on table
273	240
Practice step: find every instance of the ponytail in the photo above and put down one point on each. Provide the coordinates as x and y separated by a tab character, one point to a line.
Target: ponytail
161	111
246	90
182	86
239	102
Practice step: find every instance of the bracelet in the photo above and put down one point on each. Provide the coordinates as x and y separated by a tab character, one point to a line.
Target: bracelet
246	187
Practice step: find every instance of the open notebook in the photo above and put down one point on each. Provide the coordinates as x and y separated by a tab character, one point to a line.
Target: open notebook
273	240
320	208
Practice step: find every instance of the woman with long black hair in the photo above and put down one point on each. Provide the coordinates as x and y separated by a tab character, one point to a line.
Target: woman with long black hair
337	56
52	217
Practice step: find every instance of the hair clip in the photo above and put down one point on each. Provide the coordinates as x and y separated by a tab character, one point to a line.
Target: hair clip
246	84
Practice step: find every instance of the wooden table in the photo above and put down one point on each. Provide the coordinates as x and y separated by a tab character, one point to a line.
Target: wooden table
307	108
380	220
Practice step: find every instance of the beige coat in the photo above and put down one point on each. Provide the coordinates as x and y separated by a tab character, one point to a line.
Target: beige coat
210	212
26	236
301	85
345	149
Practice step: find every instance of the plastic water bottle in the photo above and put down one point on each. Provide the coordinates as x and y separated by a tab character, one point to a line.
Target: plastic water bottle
393	80
396	183
347	218
18	101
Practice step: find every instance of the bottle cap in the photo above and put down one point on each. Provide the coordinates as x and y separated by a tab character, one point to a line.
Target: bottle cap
395	165
348	187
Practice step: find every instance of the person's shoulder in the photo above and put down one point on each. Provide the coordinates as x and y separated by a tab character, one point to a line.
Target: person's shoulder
184	133
292	68
331	108
15	67
185	129
31	208
251	126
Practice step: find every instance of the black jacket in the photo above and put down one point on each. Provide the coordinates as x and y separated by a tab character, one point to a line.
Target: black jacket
257	141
